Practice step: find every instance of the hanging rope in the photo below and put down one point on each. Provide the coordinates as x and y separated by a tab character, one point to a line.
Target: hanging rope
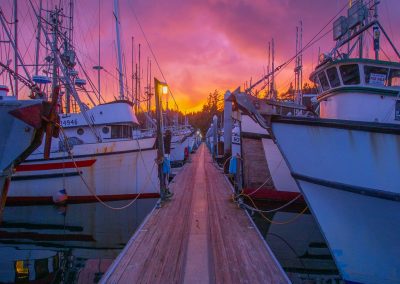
65	137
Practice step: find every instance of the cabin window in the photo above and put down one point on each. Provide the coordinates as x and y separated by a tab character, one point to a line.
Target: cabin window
376	76
80	131
394	78
317	84
324	81
333	77
121	131
350	74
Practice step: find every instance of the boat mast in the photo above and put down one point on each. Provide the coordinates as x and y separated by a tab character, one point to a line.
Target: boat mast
138	81
55	23
16	47
133	63
268	68
39	27
119	53
273	94
298	79
376	31
68	45
99	67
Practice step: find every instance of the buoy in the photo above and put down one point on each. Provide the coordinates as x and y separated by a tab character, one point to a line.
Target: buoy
60	197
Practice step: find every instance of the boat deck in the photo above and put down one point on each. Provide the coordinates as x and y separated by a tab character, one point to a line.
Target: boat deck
200	236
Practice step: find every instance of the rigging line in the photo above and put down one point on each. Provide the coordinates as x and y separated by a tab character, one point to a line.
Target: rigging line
85	182
153	54
309	44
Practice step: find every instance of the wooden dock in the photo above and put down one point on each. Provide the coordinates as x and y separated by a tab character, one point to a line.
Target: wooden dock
200	236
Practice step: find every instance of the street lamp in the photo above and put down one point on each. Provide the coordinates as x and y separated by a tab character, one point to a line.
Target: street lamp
160	89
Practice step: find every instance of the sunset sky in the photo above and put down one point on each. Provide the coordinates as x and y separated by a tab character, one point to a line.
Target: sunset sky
202	45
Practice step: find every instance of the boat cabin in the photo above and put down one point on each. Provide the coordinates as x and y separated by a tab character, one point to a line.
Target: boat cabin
359	89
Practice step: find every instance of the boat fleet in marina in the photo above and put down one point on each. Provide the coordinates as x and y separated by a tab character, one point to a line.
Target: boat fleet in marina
344	161
101	152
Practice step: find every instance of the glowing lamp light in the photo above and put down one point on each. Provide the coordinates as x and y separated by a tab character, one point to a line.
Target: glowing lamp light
164	90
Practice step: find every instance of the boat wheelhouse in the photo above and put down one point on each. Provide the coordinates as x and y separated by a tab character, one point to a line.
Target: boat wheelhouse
359	89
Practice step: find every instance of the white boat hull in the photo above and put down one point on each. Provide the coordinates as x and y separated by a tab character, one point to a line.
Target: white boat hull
352	189
113	170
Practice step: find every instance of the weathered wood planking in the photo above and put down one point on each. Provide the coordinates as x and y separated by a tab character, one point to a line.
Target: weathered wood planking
255	166
200	236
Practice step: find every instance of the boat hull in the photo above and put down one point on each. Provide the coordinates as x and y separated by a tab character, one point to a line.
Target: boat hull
109	171
351	189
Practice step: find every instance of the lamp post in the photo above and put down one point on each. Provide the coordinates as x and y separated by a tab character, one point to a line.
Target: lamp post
160	89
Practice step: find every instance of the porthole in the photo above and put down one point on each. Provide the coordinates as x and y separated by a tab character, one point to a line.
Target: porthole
105	130
80	131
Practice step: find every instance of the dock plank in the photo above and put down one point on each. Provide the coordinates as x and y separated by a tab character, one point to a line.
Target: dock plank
200	236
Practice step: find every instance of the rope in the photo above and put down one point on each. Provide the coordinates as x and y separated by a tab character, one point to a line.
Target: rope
85	183
284	222
261	212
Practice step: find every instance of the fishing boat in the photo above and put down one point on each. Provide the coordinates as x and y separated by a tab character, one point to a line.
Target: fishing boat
346	162
23	125
99	155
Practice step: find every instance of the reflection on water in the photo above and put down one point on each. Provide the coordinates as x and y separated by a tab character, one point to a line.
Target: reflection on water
299	247
71	244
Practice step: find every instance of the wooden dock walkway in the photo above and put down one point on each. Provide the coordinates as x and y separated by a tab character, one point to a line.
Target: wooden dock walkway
200	236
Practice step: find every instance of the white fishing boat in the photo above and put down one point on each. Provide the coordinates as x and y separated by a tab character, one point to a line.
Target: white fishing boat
118	167
98	156
346	163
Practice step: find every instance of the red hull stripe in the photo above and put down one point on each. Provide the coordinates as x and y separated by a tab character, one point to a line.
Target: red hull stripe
54	166
36	200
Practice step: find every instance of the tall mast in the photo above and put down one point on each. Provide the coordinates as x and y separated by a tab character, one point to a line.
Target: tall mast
149	95
299	64
39	27
138	80
273	96
268	66
376	32
133	73
119	53
16	47
55	22
68	49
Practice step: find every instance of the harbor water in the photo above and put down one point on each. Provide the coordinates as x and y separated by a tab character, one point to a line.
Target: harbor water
298	245
75	243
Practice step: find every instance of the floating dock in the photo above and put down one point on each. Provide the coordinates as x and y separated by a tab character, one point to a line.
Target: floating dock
199	236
